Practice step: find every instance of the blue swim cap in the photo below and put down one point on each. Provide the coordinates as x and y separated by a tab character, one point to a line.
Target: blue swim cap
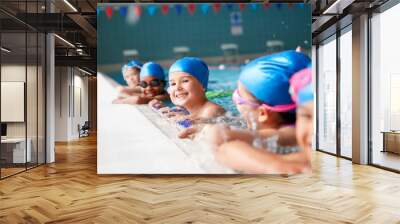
152	69
267	77
305	95
134	64
193	66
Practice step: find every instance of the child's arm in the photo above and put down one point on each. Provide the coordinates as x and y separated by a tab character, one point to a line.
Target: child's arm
188	132
128	91
220	133
217	134
211	111
144	99
242	156
133	100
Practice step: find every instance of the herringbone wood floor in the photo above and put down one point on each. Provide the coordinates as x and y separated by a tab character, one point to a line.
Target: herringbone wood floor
70	191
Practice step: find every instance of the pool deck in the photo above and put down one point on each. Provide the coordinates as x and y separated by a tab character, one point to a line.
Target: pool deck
136	140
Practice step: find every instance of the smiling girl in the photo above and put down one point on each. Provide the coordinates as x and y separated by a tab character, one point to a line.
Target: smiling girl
188	80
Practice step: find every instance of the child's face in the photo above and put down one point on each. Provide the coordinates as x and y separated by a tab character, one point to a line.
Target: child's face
184	89
152	86
248	112
304	125
132	77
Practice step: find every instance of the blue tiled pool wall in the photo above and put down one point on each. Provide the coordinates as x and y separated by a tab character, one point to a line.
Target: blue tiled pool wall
154	37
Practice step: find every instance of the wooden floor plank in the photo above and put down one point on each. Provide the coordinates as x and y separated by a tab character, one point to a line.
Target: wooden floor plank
70	191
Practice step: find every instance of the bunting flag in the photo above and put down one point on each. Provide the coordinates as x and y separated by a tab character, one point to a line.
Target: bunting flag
229	6
165	9
134	13
109	12
151	9
178	9
254	6
216	7
205	7
266	5
242	6
138	10
191	7
123	10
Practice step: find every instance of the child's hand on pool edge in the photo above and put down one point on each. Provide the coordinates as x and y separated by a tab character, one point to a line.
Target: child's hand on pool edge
188	133
157	104
118	100
153	102
173	115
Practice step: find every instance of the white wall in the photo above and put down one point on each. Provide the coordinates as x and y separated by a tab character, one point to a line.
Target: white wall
12	73
69	82
62	81
79	117
33	126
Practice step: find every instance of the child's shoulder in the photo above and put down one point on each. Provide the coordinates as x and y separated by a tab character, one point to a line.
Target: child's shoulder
214	107
211	109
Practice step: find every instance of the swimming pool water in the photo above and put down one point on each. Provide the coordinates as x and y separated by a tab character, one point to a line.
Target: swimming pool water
225	81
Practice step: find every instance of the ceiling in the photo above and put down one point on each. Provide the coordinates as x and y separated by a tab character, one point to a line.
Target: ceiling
72	20
331	15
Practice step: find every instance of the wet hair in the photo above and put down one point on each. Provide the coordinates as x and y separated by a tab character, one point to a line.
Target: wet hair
136	69
287	117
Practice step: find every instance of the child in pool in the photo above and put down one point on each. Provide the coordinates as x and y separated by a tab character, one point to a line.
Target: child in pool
188	79
152	86
257	161
263	100
131	74
303	94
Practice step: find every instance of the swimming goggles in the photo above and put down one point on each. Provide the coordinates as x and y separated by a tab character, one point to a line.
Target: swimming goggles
152	83
237	99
